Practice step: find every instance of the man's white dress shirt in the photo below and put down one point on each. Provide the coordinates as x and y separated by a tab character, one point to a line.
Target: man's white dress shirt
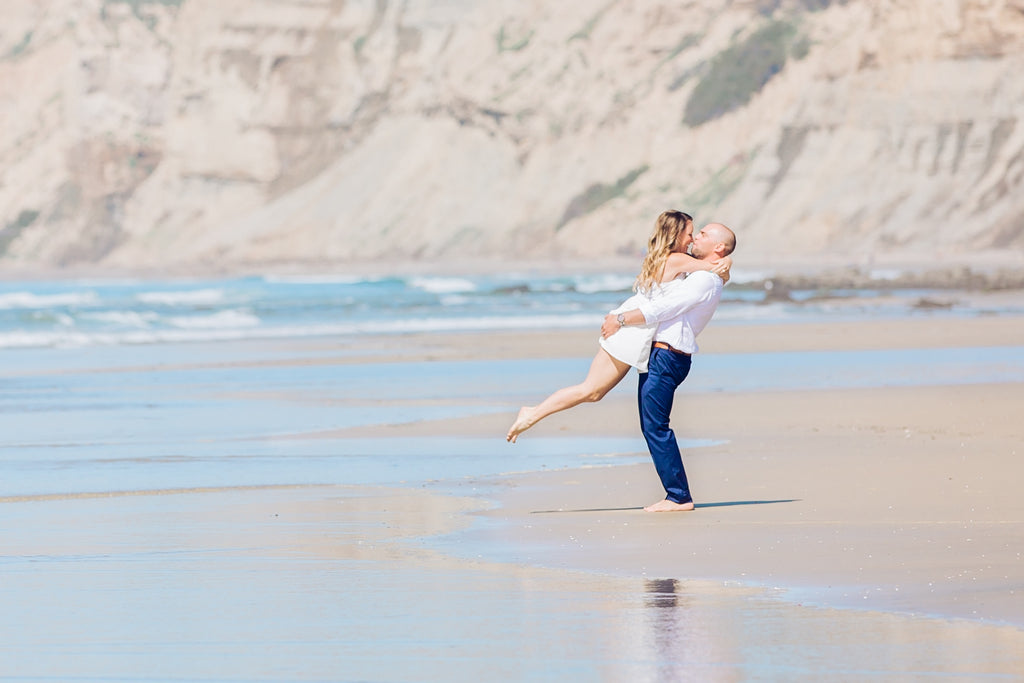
683	309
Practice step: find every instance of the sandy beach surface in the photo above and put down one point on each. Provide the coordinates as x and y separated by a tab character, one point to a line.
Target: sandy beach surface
844	530
902	498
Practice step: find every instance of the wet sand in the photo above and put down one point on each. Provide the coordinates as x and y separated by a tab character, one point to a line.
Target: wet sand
332	583
839	534
893	498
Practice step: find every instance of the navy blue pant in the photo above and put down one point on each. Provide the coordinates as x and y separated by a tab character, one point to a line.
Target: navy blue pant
665	371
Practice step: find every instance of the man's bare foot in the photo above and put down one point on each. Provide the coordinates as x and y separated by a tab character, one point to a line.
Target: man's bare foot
668	506
521	424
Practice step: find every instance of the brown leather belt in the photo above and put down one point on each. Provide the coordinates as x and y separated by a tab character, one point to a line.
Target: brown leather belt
663	345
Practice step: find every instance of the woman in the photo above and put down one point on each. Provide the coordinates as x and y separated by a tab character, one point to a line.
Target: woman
630	347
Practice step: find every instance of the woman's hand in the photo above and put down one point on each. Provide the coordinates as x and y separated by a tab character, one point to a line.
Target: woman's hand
721	268
610	326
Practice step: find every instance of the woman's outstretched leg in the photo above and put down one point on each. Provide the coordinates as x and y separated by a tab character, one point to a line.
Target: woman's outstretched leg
605	372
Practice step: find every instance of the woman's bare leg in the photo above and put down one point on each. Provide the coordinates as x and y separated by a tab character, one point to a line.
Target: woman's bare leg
605	372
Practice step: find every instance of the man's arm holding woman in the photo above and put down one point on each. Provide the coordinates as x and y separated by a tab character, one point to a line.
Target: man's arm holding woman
689	293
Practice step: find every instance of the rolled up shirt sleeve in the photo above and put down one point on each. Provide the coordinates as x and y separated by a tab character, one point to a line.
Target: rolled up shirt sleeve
696	288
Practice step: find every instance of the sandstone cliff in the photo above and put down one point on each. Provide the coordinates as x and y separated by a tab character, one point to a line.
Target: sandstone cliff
248	133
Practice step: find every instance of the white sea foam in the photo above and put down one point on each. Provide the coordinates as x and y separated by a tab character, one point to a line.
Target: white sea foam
189	297
742	276
481	323
19	339
551	286
315	279
443	285
235	325
605	283
29	300
747	312
221	320
73	339
135	317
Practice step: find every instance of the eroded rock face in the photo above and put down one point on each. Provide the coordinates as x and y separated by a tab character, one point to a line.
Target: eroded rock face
141	133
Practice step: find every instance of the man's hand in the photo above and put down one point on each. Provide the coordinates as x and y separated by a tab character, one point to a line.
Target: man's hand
610	326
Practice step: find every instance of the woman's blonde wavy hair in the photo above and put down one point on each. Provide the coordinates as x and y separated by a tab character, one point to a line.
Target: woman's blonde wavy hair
669	226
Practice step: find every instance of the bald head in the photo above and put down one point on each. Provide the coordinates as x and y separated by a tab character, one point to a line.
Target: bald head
720	233
714	241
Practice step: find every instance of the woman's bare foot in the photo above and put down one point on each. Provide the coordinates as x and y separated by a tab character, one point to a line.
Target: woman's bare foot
521	424
668	506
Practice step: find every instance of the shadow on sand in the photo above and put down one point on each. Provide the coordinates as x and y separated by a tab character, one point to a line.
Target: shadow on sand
698	506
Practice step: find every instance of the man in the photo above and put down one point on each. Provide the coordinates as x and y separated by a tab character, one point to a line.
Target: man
681	315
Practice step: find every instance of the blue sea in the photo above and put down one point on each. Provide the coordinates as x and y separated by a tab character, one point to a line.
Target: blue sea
48	314
171	449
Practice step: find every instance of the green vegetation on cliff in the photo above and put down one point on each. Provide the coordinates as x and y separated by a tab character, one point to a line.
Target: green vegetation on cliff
10	232
739	72
597	194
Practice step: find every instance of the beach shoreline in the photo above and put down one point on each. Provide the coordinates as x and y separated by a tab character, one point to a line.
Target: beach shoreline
897	498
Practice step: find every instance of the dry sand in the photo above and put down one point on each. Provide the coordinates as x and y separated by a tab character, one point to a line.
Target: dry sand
903	499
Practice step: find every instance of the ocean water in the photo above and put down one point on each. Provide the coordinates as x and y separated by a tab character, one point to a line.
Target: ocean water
168	450
41	314
87	313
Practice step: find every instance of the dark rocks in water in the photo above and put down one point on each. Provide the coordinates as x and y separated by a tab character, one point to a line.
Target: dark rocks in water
774	293
779	286
513	289
924	304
